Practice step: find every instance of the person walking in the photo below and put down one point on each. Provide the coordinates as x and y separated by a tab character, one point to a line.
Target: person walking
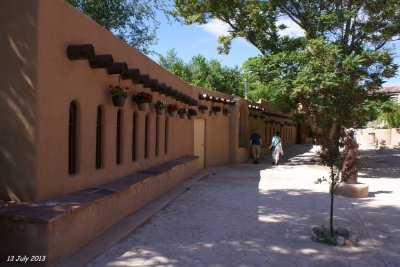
255	145
276	148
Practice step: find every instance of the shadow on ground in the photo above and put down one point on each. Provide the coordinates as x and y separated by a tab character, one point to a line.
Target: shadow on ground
204	229
229	219
293	155
381	163
233	220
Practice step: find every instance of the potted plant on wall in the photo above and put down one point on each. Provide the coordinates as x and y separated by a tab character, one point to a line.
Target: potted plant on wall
182	112
172	109
160	107
216	109
143	100
226	111
118	94
191	113
203	109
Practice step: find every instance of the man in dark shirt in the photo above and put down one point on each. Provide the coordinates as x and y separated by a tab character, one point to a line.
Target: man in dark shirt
255	144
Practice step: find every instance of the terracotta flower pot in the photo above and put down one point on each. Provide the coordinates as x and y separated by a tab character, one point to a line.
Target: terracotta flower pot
160	111
182	115
173	113
118	101
144	106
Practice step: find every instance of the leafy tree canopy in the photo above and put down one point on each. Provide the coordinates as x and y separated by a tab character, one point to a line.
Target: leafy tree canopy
354	24
390	113
205	73
134	21
341	56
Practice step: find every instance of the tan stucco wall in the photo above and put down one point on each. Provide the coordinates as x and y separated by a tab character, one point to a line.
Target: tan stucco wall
41	82
18	92
385	137
395	137
62	81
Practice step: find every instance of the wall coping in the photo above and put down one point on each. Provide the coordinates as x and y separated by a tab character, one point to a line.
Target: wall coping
53	209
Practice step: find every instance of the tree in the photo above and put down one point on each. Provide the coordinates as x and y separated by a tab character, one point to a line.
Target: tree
390	113
201	72
331	70
174	64
134	21
263	84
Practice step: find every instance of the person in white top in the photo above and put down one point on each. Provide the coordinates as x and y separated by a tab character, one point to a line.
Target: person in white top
276	148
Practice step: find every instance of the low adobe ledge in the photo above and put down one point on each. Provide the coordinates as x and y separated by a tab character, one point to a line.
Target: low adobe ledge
58	227
358	190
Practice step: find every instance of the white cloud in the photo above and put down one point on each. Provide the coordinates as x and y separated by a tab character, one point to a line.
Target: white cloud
216	27
292	28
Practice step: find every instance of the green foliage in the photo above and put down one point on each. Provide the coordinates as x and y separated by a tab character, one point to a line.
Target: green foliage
253	20
266	80
390	112
358	29
134	21
174	64
201	72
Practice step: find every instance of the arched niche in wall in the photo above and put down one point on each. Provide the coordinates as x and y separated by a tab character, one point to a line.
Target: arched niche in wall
99	137
73	138
134	135
118	156
157	136
166	135
146	136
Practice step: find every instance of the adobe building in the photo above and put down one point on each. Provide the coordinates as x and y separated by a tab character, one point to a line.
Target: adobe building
71	163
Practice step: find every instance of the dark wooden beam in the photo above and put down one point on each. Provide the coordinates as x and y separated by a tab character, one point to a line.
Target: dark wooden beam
81	51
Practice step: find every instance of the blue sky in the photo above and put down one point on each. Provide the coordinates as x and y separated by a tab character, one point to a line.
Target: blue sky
191	40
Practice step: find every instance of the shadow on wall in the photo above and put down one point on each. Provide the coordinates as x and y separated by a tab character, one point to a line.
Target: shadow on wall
18	46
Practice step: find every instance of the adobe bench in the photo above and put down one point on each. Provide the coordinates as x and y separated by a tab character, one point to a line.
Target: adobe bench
57	227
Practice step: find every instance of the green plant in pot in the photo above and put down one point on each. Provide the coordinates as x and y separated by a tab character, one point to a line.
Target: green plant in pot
143	100
203	108
182	112
172	109
191	113
118	94
160	106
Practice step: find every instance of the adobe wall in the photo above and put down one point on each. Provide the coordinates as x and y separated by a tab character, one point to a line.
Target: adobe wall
18	94
395	137
62	81
382	137
40	83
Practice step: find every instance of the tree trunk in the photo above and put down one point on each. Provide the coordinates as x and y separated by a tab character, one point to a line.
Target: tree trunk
330	156
349	168
332	191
